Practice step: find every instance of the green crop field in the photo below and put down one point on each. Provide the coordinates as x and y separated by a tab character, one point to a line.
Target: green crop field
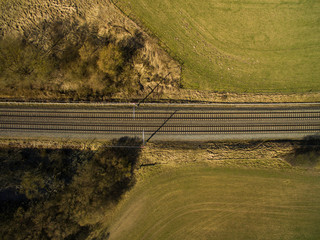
203	202
238	46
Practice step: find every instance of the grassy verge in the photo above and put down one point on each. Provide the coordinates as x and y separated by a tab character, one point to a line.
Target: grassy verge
235	46
251	154
198	201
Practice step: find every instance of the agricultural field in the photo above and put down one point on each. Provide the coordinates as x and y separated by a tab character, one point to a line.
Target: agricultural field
238	46
199	201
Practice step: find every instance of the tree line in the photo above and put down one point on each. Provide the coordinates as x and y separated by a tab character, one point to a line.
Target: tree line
63	193
68	59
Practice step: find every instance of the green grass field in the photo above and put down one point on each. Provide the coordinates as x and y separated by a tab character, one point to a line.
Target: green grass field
203	202
238	46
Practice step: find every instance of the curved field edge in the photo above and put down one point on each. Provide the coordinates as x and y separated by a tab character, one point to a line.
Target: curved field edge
199	201
257	47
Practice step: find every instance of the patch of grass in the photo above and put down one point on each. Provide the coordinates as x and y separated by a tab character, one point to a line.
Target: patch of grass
196	201
236	46
252	154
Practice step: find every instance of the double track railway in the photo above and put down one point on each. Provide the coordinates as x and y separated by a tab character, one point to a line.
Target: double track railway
206	123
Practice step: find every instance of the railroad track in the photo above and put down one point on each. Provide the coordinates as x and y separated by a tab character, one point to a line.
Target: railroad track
129	122
162	115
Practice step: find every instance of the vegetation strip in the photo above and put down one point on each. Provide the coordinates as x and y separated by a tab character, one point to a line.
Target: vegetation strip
63	193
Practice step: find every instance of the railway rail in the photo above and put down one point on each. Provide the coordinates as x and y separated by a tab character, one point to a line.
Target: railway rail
163	115
134	122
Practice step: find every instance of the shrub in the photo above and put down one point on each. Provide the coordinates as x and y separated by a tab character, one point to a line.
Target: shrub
110	60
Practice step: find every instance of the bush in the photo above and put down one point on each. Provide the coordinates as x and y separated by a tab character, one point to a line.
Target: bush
110	60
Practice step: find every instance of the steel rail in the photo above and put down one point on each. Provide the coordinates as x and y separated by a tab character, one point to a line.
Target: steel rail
178	116
167	128
219	131
157	112
205	124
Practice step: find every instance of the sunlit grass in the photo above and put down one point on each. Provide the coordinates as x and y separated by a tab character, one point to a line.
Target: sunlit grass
202	202
237	46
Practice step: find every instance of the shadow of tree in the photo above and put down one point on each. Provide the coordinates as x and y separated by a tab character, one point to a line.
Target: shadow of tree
306	153
128	148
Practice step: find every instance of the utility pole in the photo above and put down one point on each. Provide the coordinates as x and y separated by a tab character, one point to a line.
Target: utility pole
134	111
143	137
